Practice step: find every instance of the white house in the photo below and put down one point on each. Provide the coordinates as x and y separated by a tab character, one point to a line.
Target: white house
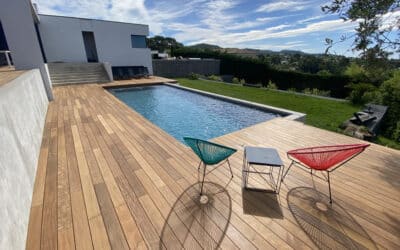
71	39
36	39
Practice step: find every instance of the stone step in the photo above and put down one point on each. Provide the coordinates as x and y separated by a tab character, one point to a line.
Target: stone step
63	76
69	81
76	71
81	80
72	73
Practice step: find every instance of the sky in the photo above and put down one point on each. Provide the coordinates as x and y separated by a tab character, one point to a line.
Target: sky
259	24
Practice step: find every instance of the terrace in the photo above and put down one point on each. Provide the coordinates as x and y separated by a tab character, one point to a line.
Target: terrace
108	178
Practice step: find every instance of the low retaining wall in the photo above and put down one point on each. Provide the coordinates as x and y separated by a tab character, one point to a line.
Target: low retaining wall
23	105
182	68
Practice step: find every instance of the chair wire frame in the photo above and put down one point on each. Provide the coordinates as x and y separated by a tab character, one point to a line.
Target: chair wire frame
210	154
325	159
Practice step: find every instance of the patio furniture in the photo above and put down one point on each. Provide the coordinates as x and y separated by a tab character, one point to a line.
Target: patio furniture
210	154
324	158
266	158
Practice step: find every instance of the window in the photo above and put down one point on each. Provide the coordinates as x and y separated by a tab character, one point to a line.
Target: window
138	41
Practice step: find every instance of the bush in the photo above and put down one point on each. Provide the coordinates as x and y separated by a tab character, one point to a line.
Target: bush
361	93
193	76
271	85
396	132
316	91
242	81
291	90
390	96
356	73
235	80
214	78
256	70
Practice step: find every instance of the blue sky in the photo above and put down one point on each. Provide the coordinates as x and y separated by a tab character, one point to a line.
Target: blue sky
260	24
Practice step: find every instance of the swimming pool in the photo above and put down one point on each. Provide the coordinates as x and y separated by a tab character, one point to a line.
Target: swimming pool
184	113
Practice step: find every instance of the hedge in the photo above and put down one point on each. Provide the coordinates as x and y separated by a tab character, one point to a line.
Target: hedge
256	71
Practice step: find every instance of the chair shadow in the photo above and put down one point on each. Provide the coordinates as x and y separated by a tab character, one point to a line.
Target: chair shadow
194	224
261	203
329	226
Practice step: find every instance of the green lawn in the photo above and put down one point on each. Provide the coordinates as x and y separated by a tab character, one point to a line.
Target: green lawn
326	114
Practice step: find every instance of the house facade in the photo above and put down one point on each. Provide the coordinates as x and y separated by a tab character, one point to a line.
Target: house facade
76	40
70	39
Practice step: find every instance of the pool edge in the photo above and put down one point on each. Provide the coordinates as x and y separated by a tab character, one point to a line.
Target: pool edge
288	114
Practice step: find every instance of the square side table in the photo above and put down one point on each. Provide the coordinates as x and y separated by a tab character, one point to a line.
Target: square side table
267	158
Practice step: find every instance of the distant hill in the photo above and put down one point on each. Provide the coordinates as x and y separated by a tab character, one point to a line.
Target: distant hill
244	52
205	46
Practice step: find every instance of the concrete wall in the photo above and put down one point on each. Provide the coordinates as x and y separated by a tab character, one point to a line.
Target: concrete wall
17	18
23	107
62	41
182	68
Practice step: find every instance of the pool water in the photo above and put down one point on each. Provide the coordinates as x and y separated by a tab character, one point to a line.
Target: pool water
184	113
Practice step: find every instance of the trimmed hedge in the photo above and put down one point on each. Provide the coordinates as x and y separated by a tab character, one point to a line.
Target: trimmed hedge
256	71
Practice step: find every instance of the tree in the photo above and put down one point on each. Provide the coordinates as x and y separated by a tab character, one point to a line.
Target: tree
377	20
161	43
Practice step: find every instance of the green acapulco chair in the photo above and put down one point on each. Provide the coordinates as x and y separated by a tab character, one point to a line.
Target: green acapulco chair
209	154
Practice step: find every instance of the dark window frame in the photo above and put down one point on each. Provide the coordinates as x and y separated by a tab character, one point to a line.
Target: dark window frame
140	44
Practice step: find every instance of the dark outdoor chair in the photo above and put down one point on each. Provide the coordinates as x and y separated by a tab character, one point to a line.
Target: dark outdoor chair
324	158
210	154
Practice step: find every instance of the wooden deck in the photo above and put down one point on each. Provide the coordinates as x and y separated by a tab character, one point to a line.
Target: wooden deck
140	81
7	74
108	178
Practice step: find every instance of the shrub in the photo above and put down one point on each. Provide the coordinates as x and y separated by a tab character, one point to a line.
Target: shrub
390	96
193	76
235	80
291	90
324	72
242	81
316	91
359	92
396	132
256	70
271	85
214	78
356	72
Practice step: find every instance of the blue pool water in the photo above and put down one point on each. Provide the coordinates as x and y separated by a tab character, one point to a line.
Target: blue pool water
184	113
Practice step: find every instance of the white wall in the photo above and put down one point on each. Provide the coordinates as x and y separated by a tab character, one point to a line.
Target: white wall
62	41
17	20
23	107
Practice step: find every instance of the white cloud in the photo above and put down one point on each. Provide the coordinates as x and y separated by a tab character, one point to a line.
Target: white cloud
308	20
221	22
277	32
286	5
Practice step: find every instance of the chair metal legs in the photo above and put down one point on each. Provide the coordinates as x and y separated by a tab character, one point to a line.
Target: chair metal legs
202	181
329	185
204	173
327	179
284	175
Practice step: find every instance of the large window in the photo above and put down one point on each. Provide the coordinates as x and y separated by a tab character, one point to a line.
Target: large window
138	41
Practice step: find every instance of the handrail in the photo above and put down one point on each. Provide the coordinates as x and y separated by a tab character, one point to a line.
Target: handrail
7	54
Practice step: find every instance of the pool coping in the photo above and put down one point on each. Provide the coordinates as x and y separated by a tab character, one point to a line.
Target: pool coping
287	114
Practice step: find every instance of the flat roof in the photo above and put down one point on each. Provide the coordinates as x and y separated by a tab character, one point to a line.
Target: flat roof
93	19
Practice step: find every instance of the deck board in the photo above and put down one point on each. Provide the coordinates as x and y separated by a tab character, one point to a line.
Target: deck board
108	178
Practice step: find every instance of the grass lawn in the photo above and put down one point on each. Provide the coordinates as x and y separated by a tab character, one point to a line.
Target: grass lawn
326	114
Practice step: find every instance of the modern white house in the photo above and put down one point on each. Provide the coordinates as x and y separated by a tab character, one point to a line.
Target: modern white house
74	40
70	39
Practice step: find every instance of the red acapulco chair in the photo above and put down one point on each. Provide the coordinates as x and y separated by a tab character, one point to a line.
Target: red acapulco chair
324	158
